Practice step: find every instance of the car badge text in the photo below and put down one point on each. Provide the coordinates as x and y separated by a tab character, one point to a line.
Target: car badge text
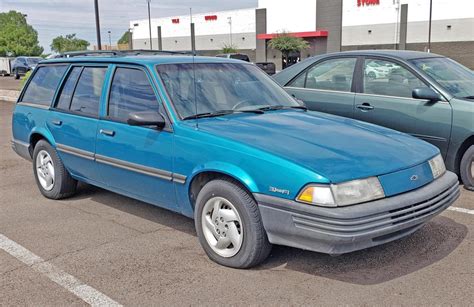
277	190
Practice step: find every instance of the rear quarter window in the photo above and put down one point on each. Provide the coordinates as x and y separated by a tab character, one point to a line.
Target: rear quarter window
43	85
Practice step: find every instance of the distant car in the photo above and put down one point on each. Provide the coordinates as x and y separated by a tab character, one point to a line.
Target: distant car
219	141
21	65
426	95
236	56
268	67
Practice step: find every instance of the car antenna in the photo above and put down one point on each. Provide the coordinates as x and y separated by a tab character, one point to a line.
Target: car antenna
195	90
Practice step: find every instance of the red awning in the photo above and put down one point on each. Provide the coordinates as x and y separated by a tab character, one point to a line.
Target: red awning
320	33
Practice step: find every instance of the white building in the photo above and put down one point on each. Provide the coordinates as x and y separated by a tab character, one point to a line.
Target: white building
328	25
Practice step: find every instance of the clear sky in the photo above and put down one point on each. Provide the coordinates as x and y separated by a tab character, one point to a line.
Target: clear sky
52	18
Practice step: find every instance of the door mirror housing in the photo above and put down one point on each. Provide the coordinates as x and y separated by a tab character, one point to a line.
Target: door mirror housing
146	118
426	93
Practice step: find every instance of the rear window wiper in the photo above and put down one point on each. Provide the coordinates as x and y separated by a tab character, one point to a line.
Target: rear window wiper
281	107
220	113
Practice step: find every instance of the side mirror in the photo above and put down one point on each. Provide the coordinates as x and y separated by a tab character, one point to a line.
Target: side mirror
426	93
146	118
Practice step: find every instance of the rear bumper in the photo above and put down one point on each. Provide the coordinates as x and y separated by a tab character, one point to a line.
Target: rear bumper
22	149
346	229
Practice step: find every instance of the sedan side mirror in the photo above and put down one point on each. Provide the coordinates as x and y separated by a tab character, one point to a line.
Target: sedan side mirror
426	93
146	118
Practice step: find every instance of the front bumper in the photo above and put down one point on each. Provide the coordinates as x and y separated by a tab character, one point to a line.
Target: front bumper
346	229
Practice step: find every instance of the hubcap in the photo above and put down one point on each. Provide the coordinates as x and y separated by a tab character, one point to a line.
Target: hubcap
45	170
472	169
222	227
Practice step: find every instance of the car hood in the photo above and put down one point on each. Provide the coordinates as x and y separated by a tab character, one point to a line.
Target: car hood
337	148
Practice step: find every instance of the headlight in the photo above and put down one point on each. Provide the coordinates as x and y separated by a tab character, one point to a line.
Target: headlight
343	194
437	166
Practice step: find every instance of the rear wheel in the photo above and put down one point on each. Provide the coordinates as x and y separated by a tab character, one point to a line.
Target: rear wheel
229	225
467	168
52	178
16	74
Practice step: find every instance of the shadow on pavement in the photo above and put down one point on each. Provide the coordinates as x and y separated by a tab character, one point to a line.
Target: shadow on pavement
433	242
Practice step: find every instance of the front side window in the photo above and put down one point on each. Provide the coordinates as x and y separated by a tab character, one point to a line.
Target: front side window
389	79
43	85
131	91
86	97
220	87
454	77
332	75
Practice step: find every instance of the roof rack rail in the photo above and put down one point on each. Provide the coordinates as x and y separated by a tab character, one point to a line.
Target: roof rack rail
122	53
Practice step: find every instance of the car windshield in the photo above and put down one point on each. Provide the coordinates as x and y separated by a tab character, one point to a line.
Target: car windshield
33	60
457	79
220	87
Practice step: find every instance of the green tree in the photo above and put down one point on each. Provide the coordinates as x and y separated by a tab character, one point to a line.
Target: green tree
68	43
123	39
17	37
287	44
229	49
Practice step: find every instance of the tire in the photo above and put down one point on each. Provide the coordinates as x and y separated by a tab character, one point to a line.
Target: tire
63	185
466	169
253	246
16	74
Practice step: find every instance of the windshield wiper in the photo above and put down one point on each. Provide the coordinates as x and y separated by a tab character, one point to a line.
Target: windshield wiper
469	97
221	113
281	107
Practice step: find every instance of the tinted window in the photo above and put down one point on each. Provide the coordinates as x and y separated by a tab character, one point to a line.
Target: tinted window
42	87
88	91
389	79
68	88
333	75
242	57
131	92
299	81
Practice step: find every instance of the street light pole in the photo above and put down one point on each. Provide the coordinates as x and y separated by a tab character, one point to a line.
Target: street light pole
110	40
97	24
149	23
429	27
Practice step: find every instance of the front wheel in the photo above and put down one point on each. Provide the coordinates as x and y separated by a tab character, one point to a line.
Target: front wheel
16	74
467	168
229	225
52	178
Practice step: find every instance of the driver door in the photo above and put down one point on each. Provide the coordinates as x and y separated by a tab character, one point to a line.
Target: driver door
386	100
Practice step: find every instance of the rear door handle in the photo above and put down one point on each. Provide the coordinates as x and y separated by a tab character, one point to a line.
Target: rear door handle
365	106
107	132
56	122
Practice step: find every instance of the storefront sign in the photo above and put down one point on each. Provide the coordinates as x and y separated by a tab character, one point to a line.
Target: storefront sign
367	2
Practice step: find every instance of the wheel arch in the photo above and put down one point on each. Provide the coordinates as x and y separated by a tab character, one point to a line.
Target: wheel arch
37	135
202	176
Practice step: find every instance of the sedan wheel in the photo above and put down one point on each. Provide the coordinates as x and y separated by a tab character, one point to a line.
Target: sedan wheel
466	168
222	227
45	170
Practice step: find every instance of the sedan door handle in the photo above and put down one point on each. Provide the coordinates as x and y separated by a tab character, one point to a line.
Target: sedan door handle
365	106
107	132
56	122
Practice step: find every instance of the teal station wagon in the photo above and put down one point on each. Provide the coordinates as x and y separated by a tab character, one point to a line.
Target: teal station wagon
218	141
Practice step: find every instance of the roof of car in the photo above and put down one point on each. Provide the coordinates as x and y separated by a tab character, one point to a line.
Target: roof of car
142	59
400	54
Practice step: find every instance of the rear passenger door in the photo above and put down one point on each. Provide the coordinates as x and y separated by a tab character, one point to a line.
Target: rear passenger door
132	160
387	100
73	121
327	86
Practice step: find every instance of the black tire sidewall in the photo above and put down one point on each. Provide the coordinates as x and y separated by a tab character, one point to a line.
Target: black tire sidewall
226	190
56	190
465	168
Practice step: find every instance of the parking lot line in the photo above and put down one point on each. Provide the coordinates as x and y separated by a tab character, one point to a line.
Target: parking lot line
463	210
65	280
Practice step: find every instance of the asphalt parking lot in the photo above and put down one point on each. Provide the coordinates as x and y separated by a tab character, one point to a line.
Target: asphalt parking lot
112	249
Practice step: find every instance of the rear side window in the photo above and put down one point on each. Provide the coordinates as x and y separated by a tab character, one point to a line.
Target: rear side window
68	89
43	85
131	92
86	97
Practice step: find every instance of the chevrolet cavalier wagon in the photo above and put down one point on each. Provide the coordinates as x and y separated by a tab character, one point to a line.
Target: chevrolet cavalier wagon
218	141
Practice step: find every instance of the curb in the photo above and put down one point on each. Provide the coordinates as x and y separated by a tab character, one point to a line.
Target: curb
9	95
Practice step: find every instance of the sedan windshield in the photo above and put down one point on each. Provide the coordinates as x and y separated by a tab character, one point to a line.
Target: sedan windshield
33	61
220	87
457	79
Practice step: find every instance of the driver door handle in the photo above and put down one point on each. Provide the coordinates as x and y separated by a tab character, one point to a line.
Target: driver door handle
107	132
365	107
